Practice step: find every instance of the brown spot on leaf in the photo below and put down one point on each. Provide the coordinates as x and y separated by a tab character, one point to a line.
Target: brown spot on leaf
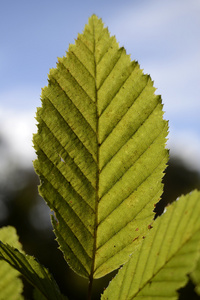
135	238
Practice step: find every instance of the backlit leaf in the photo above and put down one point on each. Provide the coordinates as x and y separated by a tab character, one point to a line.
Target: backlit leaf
32	270
195	276
101	152
169	252
11	285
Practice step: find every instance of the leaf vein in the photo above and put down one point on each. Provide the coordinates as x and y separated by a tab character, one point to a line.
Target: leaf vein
111	69
165	263
60	235
128	138
87	122
68	153
90	74
76	81
117	91
72	211
126	170
70	186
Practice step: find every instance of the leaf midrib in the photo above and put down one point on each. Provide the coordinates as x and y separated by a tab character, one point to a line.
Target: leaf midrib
97	160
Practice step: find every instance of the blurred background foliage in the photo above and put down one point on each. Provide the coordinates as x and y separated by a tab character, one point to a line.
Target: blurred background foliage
22	207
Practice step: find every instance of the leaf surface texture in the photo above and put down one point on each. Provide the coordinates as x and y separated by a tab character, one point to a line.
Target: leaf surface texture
101	151
195	276
11	286
168	253
32	270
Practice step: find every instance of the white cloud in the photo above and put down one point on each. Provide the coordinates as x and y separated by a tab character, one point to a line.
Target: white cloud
17	124
16	129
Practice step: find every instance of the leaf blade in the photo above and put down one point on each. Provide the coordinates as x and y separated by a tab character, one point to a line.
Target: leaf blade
100	145
195	277
166	256
11	286
32	270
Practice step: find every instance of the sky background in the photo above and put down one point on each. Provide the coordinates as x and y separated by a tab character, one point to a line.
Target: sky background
163	36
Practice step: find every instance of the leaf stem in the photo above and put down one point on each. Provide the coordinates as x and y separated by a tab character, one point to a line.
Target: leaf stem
90	288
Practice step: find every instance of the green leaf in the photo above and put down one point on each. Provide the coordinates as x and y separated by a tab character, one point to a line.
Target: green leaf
37	295
32	270
170	252
101	152
195	276
11	285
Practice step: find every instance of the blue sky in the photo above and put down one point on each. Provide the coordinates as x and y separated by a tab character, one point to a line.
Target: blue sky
163	36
